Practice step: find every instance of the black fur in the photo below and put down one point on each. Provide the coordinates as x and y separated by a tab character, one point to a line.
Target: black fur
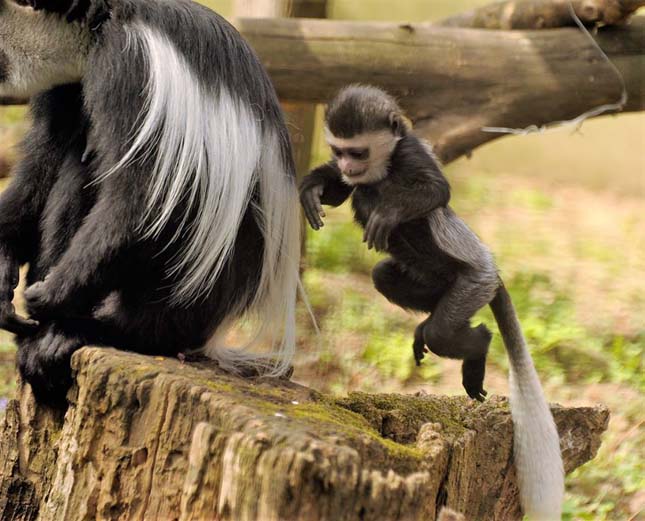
92	278
422	274
92	12
359	109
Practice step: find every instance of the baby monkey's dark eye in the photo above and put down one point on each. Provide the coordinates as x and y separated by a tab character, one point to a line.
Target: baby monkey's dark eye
359	154
336	151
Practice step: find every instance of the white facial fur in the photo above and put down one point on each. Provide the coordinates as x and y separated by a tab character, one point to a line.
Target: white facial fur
381	145
42	50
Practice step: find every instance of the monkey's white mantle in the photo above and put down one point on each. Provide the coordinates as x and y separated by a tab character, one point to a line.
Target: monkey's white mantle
154	439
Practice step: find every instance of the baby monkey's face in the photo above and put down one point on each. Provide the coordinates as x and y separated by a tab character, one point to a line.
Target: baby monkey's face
364	158
353	162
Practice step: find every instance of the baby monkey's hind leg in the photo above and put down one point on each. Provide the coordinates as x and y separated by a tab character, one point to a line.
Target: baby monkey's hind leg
395	282
473	369
419	345
448	333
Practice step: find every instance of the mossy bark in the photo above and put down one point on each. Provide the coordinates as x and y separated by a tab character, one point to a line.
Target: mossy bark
156	439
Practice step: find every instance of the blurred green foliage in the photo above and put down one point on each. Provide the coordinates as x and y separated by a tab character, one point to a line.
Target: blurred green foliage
12	115
562	348
341	250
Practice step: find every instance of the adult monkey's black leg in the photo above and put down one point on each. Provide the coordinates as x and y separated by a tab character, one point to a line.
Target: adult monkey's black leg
79	275
44	357
20	210
17	241
54	133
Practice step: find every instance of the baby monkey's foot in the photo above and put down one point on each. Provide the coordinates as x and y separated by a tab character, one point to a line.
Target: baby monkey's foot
419	347
472	372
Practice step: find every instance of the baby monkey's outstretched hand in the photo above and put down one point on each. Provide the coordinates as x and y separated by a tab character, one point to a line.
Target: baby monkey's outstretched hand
312	205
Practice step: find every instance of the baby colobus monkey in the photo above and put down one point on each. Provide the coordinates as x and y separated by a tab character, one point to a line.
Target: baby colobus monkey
437	265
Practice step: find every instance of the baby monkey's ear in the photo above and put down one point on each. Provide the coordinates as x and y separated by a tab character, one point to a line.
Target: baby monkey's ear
398	124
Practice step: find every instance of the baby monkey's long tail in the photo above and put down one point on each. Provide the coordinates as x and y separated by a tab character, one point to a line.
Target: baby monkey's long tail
536	442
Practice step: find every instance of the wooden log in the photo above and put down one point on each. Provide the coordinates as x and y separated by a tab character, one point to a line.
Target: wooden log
453	82
154	439
542	14
280	8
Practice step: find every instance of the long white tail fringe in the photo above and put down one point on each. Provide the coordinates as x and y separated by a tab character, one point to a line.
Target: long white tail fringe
537	455
275	301
212	151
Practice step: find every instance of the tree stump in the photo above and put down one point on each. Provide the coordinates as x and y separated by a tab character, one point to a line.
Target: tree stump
156	439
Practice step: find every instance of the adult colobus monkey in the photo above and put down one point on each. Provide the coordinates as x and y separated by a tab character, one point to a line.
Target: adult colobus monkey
156	200
437	265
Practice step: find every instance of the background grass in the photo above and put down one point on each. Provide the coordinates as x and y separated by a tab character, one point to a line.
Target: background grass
563	212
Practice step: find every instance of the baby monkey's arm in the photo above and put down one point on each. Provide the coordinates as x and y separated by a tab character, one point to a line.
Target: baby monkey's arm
414	188
324	185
